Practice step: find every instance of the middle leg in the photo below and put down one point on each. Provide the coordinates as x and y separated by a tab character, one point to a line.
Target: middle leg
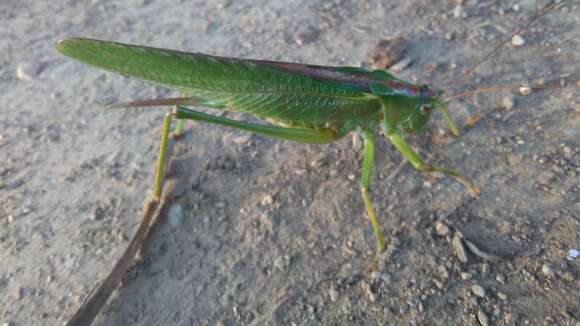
368	162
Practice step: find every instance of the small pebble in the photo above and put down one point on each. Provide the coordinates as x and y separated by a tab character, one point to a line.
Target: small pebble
28	70
351	177
508	102
518	40
372	295
175	215
346	270
458	11
387	53
525	90
502	296
478	290
466	276
333	294
459	248
438	284
242	140
282	262
121	236
267	200
16	292
403	309
441	228
308	36
310	309
482	318
573	254
548	271
485	269
402	65
500	279
443	272
566	150
473	302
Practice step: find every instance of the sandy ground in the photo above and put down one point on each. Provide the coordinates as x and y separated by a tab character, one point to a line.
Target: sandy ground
273	232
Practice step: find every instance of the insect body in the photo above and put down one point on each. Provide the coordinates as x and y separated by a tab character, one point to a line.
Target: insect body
304	103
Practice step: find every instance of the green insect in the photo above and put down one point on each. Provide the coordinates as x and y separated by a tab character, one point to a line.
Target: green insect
307	104
303	103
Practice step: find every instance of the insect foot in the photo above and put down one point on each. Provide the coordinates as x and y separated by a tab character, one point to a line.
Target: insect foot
473	189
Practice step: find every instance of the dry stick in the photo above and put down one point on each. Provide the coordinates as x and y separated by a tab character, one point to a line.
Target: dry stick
486	256
153	209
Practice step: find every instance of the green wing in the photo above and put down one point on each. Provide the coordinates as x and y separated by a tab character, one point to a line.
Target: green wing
285	92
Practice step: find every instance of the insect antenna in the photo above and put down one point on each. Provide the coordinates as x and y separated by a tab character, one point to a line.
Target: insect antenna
552	84
486	57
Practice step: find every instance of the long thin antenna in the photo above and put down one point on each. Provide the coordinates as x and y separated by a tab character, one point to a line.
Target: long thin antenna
500	45
494	89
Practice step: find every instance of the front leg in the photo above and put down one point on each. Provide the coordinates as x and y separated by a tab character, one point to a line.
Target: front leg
396	139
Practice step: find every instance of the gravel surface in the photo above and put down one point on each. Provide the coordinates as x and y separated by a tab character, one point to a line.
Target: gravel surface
273	232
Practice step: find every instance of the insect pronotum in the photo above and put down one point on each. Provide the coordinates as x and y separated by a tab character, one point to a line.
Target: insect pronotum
303	103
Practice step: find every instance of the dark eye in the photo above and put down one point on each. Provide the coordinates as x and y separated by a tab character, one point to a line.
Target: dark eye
425	110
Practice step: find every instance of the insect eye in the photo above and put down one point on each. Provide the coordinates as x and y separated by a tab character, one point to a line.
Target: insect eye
425	110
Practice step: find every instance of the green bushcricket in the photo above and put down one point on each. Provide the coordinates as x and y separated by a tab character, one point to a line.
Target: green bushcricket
303	103
308	104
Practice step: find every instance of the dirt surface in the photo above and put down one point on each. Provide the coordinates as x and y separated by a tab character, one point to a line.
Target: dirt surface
272	232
